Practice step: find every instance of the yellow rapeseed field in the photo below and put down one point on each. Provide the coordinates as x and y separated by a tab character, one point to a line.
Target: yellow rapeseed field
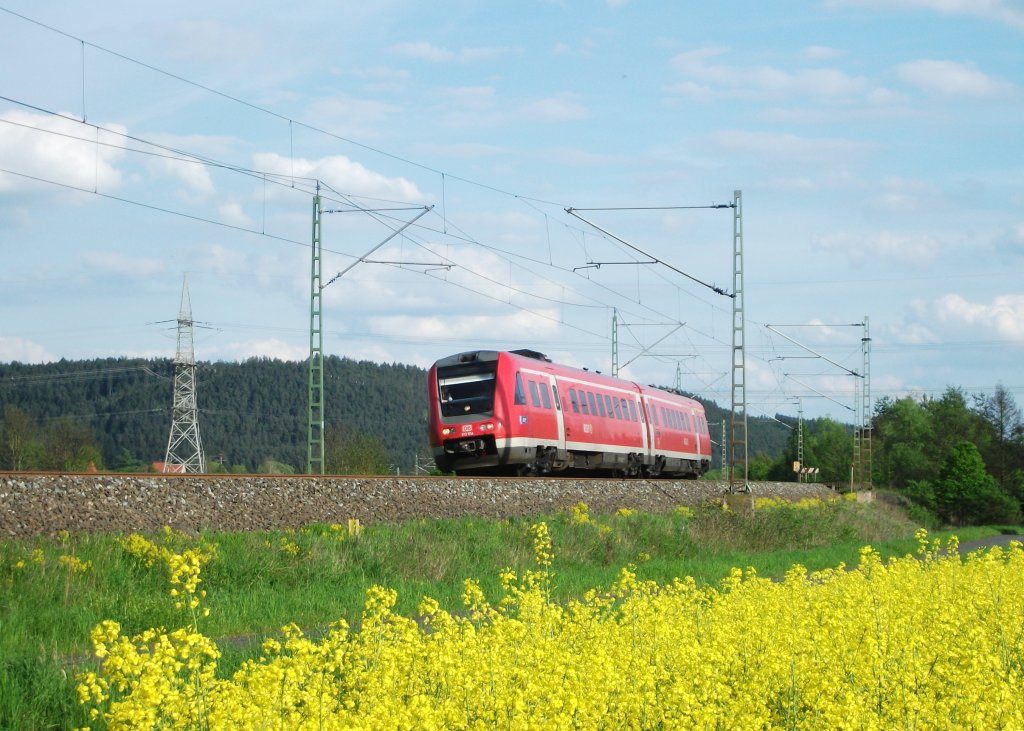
932	641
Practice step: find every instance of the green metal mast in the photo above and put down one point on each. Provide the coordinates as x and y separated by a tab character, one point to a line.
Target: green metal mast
315	451
738	466
615	342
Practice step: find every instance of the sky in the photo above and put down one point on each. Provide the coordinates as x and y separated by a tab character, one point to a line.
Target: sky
875	148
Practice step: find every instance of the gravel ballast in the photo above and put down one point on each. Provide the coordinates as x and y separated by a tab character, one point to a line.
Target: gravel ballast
44	504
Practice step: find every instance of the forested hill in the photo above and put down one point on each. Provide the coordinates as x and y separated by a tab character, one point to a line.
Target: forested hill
249	412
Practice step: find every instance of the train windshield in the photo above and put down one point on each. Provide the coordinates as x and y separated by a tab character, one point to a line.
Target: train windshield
467	388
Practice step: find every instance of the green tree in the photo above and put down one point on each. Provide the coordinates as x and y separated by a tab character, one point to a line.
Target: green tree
348	453
903	434
70	446
20	448
1001	413
760	467
966	494
829	447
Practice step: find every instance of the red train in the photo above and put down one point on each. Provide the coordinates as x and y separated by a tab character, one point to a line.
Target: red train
499	412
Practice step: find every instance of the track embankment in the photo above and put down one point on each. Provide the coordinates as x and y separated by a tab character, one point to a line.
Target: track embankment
40	504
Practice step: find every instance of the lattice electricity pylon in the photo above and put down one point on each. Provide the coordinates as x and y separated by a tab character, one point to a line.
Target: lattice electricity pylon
184	447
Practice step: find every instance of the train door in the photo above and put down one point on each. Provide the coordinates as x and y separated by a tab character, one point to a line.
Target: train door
559	414
654	420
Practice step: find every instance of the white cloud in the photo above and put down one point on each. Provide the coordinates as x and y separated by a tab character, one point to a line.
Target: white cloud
705	77
23	351
1002	11
1012	240
58	149
343	175
267	348
563	108
822	53
232	212
518	324
581	158
475	96
192	173
113	263
425	51
1003	316
913	249
467	150
950	78
350	115
904	195
208	41
789	146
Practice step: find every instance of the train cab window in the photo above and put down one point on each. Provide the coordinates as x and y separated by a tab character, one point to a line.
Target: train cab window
618	408
533	394
593	406
573	401
467	388
520	393
545	397
632	410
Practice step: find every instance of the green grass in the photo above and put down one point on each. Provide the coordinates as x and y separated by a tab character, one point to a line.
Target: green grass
259	581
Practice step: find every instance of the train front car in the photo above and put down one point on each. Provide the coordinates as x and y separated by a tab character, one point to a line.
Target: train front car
462	425
495	412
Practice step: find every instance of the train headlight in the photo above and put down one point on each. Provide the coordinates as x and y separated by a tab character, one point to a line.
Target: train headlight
446	431
487	427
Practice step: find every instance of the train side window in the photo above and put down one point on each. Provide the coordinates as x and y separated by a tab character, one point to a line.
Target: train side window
676	422
573	401
583	402
632	410
618	408
653	411
520	393
608	405
545	397
600	406
554	391
686	422
534	397
664	417
593	406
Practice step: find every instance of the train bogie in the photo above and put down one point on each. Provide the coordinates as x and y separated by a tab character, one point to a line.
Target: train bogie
500	412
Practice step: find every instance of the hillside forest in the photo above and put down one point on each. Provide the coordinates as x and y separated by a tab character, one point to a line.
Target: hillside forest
959	458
